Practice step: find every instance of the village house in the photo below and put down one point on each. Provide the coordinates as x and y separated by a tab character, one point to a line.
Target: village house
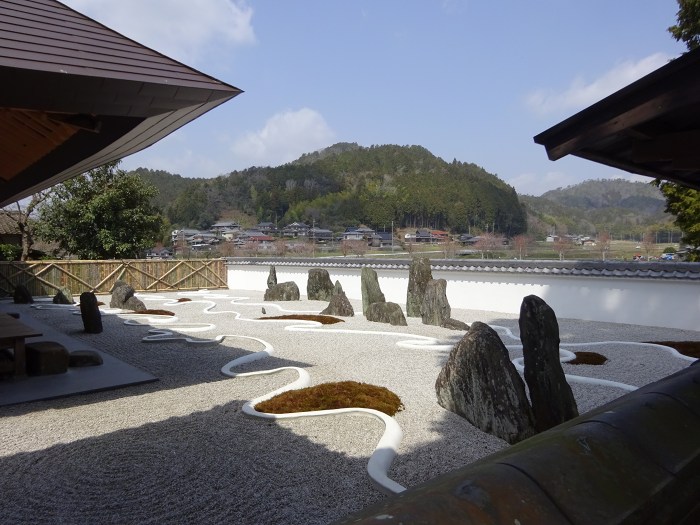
295	229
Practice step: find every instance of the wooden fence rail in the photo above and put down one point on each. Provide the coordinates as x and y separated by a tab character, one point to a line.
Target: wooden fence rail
44	278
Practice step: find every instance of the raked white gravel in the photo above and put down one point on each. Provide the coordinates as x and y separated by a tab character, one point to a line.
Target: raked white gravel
183	449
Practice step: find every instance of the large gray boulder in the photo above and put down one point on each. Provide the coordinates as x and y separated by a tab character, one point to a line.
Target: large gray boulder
550	394
369	285
123	297
435	309
390	313
339	306
288	291
319	286
90	313
419	274
272	277
455	324
480	383
63	296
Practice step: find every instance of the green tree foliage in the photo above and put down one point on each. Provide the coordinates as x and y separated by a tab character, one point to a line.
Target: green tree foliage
346	184
626	209
684	204
687	28
103	214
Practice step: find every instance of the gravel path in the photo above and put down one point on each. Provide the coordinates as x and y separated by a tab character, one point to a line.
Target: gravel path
180	450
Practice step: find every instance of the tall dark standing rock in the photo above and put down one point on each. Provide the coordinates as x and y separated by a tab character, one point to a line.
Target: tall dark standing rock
550	394
271	277
371	292
419	274
22	295
90	313
319	286
480	383
435	309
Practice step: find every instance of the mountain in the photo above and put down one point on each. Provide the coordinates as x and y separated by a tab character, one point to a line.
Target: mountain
624	208
169	186
346	185
611	193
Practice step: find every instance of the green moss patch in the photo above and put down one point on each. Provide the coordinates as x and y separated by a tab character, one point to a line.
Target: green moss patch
329	396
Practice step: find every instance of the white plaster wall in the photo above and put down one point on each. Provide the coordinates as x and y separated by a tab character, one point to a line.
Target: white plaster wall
671	304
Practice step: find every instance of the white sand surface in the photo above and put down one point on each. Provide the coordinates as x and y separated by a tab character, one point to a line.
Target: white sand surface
180	450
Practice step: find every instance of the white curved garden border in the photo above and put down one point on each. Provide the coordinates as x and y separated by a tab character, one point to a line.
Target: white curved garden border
387	448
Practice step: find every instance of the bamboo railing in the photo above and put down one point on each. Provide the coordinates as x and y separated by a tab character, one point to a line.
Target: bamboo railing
44	278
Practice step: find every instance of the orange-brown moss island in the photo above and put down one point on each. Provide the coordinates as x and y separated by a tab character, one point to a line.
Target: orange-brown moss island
329	396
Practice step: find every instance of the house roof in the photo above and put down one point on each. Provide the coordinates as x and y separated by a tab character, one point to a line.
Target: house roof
76	95
8	226
651	127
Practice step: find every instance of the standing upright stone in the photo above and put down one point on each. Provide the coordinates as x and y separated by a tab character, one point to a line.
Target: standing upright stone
369	284
319	286
551	396
480	383
419	273
22	295
271	277
337	288
435	309
90	313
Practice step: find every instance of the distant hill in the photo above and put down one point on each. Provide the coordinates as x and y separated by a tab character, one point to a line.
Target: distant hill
623	207
169	186
347	185
611	193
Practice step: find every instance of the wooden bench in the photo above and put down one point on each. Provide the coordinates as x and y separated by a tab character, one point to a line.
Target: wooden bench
12	334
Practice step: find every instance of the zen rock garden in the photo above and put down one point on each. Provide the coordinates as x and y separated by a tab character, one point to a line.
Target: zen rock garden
479	382
426	297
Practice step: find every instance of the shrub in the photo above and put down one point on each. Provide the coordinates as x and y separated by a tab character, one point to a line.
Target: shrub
10	252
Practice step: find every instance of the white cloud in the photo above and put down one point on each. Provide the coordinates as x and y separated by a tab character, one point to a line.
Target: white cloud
186	30
581	93
285	137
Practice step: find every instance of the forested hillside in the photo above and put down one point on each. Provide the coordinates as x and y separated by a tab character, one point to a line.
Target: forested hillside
346	185
619	206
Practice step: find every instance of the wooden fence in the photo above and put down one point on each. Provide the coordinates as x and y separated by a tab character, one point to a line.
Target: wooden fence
44	278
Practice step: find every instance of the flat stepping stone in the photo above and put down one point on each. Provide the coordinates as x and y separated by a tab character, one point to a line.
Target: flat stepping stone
83	358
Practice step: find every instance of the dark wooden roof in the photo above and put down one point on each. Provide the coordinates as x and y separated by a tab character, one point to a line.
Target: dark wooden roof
651	127
76	94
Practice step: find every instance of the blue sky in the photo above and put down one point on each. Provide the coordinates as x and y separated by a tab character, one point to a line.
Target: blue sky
472	80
